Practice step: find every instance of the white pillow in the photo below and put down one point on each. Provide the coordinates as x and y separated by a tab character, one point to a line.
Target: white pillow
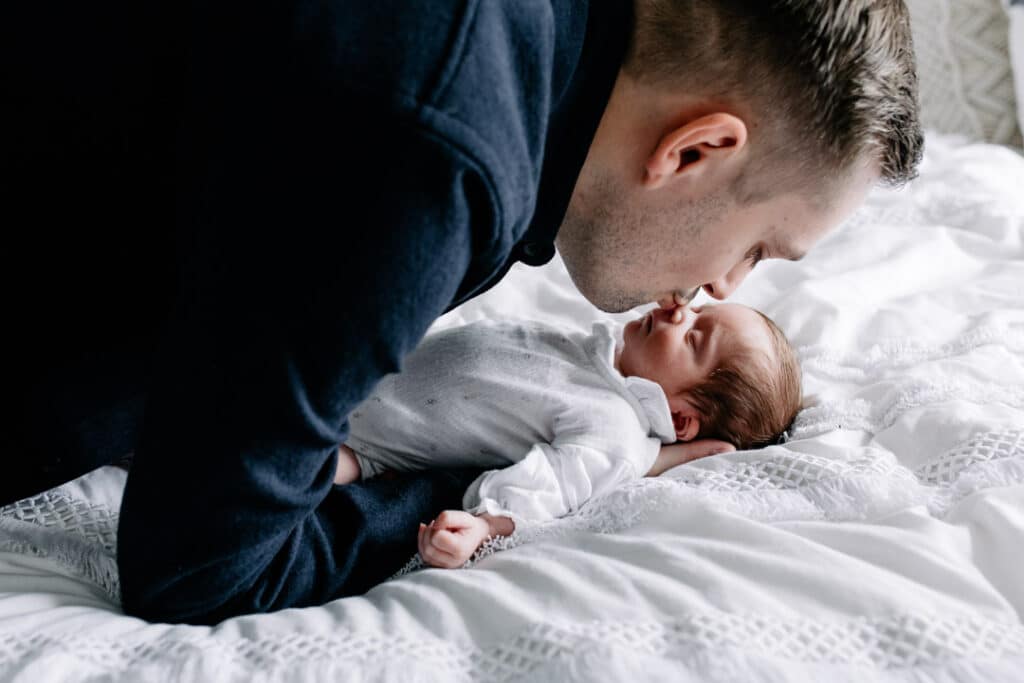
964	68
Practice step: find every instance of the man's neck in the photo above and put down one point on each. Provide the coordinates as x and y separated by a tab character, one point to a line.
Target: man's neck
590	44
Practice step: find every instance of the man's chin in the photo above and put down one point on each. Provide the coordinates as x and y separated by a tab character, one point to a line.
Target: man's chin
614	301
586	275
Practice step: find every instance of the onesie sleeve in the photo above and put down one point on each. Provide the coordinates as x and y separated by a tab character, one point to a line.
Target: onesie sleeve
556	479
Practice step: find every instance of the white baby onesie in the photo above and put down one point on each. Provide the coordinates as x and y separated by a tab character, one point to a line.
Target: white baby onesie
546	406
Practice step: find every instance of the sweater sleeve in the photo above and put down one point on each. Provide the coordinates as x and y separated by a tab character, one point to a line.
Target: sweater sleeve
556	479
311	269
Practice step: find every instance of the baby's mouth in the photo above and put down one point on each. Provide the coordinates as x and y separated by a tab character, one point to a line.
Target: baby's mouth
648	322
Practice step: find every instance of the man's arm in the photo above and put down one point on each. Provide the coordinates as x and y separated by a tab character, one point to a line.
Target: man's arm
302	287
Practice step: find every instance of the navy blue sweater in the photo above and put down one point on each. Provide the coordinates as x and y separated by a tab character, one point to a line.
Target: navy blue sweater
345	172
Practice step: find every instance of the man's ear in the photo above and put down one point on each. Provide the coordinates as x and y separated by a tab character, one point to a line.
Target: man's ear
685	419
691	146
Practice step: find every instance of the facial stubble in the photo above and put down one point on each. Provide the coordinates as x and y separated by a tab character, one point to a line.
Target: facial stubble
621	254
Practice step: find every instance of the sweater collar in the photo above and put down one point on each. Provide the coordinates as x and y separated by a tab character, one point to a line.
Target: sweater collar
591	37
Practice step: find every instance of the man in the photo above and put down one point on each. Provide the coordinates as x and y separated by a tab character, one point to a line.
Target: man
343	174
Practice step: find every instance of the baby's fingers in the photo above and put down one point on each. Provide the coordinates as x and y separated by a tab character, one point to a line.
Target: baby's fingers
421	538
447	542
431	555
436	558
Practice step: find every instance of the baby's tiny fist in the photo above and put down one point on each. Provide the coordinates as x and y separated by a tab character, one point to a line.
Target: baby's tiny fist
451	539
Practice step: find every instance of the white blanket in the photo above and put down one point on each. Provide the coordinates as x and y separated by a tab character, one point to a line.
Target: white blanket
883	542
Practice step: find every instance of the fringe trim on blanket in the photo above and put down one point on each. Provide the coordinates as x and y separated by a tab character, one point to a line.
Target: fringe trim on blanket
77	555
712	646
728	666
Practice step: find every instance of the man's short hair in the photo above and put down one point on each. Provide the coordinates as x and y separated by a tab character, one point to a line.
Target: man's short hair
830	81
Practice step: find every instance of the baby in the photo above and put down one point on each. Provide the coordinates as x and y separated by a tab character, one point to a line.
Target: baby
561	418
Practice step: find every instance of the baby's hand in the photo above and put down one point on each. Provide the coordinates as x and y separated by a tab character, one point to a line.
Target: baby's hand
451	539
348	469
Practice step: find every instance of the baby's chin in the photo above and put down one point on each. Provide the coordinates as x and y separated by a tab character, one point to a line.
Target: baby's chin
629	332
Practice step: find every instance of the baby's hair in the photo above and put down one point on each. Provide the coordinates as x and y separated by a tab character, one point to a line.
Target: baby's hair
750	400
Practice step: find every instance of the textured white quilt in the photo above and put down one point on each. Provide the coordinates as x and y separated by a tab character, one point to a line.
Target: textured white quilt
884	542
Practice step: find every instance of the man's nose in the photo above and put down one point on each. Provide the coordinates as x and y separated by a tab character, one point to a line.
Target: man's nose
723	287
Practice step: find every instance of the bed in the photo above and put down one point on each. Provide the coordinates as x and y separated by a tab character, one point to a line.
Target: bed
882	541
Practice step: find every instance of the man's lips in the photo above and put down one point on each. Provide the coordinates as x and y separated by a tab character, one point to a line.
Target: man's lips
684	298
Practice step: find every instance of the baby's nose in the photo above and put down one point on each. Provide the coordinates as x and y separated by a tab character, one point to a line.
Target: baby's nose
673	315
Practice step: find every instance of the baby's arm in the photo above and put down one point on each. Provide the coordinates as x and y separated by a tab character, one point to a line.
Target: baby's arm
552	480
451	539
348	466
682	452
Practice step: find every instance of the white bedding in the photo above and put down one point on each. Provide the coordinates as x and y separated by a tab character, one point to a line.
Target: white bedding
883	542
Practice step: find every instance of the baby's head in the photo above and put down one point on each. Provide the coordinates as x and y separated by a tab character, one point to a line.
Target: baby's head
728	372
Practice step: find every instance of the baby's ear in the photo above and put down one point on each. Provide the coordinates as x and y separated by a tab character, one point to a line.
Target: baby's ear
685	419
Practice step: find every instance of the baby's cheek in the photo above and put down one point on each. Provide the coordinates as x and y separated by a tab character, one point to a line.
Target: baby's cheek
666	353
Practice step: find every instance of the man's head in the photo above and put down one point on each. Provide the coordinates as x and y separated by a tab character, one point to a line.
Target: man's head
727	371
738	130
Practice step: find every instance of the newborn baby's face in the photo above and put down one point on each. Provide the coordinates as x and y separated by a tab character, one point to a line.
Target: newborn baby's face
678	355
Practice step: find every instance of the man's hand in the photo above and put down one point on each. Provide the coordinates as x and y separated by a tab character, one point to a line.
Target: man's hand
451	539
683	452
